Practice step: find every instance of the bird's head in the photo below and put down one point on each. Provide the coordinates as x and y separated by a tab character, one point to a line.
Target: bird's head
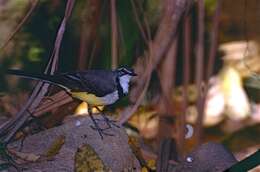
124	75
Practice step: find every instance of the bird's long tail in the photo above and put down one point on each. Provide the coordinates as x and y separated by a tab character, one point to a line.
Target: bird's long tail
42	77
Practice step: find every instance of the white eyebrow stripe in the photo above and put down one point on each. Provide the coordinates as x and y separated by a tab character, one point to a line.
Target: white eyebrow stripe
126	71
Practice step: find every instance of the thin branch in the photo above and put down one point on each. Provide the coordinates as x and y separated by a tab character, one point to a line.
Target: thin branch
90	19
57	100
167	76
114	35
166	32
40	89
95	44
93	52
199	69
186	81
146	24
83	39
137	19
123	118
19	26
213	40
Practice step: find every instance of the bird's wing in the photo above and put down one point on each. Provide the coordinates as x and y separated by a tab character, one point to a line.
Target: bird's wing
98	82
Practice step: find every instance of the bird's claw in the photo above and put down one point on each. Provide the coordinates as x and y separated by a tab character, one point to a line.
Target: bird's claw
101	131
109	122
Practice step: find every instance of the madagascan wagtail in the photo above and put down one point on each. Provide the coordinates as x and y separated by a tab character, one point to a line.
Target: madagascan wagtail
95	87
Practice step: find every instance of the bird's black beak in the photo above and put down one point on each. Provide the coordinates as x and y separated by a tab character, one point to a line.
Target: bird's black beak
133	74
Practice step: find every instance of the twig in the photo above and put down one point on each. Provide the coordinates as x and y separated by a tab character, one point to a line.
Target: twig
199	69
41	89
166	32
167	152
82	58
147	28
213	40
19	26
186	81
167	75
94	47
9	124
114	35
59	99
137	19
93	51
212	56
90	19
128	114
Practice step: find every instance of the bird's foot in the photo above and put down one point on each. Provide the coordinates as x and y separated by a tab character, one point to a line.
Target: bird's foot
101	131
109	122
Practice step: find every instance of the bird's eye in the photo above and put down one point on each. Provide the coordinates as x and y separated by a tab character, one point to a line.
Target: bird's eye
127	71
124	71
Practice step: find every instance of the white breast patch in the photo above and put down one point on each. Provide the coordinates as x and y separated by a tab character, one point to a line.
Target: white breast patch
110	98
124	82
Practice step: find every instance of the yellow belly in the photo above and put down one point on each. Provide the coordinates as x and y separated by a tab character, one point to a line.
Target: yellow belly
89	98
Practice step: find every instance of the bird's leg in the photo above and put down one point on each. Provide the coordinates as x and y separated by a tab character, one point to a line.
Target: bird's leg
108	121
96	127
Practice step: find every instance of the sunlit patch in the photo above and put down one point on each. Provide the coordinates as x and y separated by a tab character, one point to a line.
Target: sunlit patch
215	104
236	101
226	96
82	109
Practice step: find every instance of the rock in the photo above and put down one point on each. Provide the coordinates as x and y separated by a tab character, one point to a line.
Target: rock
211	157
113	151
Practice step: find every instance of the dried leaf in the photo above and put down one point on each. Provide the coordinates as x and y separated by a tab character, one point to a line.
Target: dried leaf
31	157
136	149
144	169
151	163
87	160
55	147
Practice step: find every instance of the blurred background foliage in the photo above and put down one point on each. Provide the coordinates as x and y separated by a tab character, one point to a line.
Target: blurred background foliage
32	46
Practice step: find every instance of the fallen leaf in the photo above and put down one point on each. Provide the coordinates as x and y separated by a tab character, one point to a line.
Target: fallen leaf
31	157
55	147
87	160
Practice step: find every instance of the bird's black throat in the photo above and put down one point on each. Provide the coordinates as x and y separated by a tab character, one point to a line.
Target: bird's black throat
119	88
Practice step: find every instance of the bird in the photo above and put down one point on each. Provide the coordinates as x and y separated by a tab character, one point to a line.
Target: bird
96	87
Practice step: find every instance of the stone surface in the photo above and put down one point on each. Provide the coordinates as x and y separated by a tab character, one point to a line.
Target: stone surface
113	150
211	157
